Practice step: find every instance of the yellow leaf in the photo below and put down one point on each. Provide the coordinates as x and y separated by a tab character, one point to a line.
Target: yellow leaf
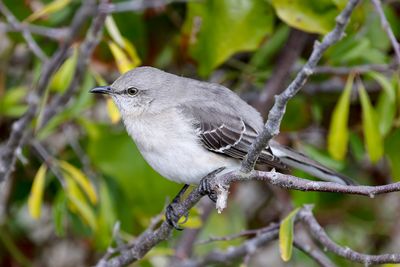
112	29
192	222
72	189
131	50
112	111
36	195
84	210
123	62
99	80
338	135
286	235
48	9
372	136
81	179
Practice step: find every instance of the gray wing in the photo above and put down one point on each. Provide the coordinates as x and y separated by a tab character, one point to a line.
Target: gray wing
228	134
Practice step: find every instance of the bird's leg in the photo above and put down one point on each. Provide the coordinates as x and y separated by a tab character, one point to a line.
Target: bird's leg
205	187
170	213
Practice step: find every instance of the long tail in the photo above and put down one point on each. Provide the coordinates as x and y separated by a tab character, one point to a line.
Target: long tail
300	161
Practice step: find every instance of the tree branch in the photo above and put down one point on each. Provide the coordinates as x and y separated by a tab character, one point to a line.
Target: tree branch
386	27
275	115
319	234
314	253
357	69
233	253
139	5
57	34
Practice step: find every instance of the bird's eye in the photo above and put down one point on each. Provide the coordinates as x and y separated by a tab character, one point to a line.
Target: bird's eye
132	91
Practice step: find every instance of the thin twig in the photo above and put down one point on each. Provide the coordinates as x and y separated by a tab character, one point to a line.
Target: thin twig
244	233
248	247
49	161
386	27
356	69
25	32
139	5
278	110
57	34
319	234
314	253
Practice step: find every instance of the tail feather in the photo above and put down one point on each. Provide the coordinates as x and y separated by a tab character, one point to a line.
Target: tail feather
300	161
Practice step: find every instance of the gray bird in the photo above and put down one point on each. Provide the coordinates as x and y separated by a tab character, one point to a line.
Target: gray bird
186	128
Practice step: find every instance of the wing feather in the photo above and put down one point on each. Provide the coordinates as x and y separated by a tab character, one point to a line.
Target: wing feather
227	134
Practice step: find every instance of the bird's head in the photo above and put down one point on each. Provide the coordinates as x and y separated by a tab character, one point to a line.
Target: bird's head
143	90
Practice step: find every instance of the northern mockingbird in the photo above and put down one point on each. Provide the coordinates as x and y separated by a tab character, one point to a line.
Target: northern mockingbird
185	128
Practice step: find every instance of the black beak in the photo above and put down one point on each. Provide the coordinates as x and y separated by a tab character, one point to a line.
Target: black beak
101	90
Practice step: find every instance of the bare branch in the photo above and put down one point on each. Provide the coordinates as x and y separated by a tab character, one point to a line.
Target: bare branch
150	238
57	34
25	32
387	29
320	235
314	253
275	116
240	234
139	5
357	69
248	247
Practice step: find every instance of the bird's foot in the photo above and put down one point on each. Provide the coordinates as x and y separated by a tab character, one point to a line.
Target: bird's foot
205	187
172	218
171	214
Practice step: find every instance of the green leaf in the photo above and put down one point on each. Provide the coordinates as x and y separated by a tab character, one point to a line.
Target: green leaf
386	112
59	209
286	235
218	29
84	210
106	217
11	102
77	202
63	77
372	136
338	131
392	145
307	15
385	83
36	196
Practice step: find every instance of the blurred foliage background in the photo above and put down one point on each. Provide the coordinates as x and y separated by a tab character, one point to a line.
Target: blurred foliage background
347	118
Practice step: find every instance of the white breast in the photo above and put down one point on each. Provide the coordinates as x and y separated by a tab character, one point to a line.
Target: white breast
169	144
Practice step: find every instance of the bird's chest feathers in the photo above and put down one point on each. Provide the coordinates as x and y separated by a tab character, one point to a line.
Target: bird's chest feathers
167	141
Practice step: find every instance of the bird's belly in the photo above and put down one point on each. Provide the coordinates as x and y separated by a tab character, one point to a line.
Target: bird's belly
185	163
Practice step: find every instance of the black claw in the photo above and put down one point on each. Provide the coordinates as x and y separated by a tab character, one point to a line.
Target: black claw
172	218
205	187
170	215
